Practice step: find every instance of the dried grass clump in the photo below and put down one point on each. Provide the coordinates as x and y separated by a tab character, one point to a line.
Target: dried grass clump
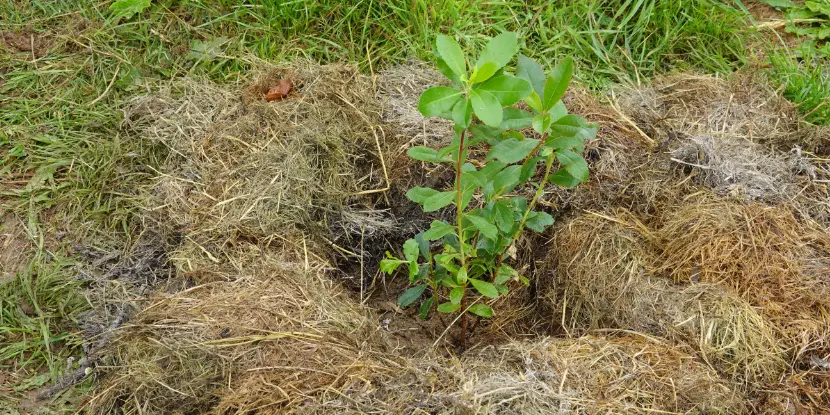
596	375
734	166
735	135
775	261
399	90
603	264
240	164
195	350
742	104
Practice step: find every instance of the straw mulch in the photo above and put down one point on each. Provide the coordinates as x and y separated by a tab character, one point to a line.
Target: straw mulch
688	276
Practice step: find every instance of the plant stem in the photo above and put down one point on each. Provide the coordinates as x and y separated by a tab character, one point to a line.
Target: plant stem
539	191
458	219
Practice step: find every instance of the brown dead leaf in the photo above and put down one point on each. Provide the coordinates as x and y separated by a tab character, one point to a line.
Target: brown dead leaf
26	307
279	91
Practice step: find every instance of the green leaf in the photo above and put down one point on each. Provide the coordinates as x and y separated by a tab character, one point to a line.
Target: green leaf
573	163
411	250
557	83
507	178
456	295
529	168
566	142
438	230
128	8
389	265
451	54
447	150
574	126
578	169
438	100
420	194
821	7
438	200
461	276
541	123
485	288
446	71
424	153
512	150
481	310
207	50
425	307
557	112
473	178
491	170
467	196
500	49
462	113
448	308
566	156
538	221
488	229
535	102
484	72
423	244
504	273
411	295
507	89
504	216
530	70
486	107
515	119
481	131
520	204
564	179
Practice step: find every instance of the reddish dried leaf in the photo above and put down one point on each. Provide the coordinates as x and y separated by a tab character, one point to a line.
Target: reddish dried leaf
279	91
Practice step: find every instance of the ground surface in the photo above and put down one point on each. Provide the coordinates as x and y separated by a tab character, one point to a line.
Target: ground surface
169	239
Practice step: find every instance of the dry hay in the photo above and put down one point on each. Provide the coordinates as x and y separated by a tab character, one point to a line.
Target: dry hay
732	166
239	164
261	193
662	141
602	266
741	105
399	90
735	135
195	348
774	260
591	375
273	336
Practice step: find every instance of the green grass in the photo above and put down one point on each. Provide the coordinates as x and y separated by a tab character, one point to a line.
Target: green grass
41	338
805	77
73	172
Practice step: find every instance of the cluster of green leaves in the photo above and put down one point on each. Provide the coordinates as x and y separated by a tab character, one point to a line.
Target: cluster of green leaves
468	258
810	20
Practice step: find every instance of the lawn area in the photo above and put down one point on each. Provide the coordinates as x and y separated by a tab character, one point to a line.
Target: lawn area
73	183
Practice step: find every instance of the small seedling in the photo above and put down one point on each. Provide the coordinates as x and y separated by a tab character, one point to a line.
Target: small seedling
461	267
